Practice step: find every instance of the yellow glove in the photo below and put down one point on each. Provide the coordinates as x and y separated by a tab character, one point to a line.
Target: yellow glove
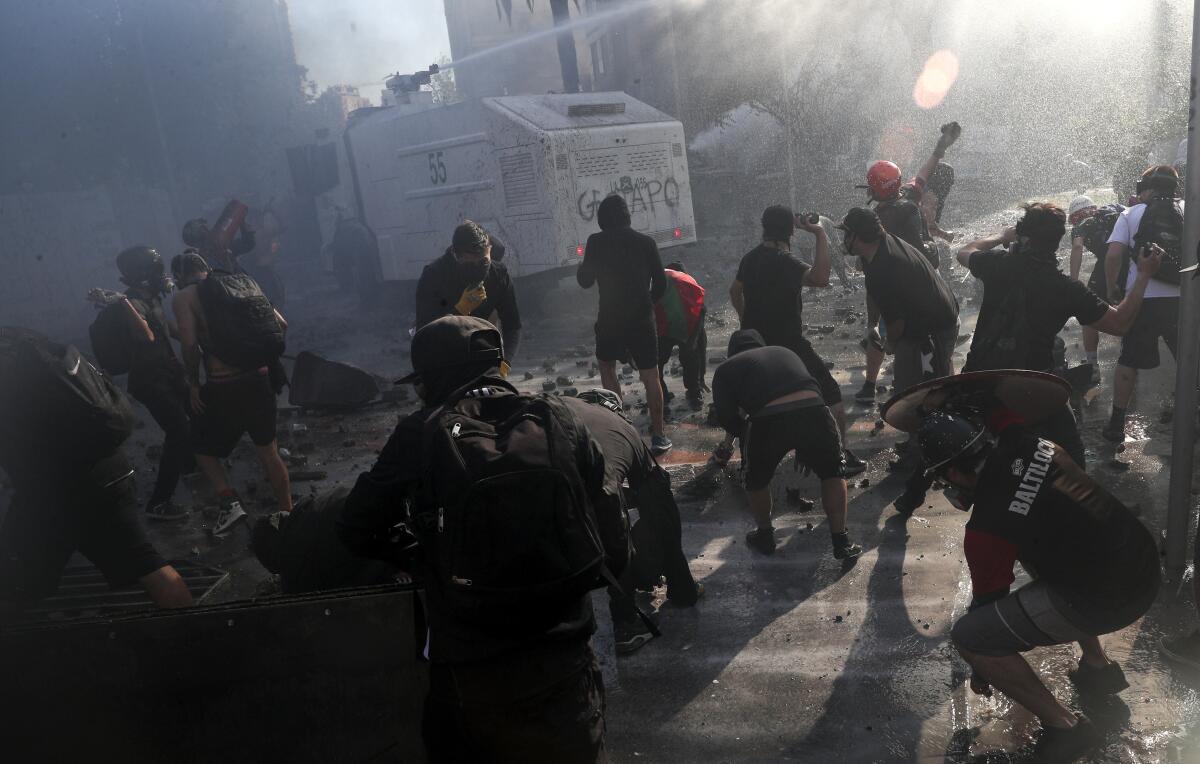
472	297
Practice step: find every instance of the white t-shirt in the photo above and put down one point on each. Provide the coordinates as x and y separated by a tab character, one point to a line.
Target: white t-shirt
1124	231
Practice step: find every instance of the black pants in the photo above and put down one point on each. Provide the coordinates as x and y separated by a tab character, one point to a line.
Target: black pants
658	548
170	411
691	359
547	706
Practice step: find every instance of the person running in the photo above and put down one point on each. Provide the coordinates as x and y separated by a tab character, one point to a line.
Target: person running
766	397
679	317
1090	228
1159	316
1027	300
625	267
767	294
1095	567
658	529
236	397
521	684
467	280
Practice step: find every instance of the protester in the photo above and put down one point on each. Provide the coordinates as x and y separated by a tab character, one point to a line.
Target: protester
1091	227
1027	300
783	412
933	201
1159	316
156	377
64	423
1095	568
625	266
917	310
513	677
658	530
188	268
302	547
467	281
228	326
679	318
767	295
355	257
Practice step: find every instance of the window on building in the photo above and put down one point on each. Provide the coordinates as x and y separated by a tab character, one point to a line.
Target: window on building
599	66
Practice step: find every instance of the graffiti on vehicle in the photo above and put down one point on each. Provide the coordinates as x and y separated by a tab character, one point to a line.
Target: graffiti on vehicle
639	193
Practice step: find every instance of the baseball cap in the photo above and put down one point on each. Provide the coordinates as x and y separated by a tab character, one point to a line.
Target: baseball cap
453	341
469	237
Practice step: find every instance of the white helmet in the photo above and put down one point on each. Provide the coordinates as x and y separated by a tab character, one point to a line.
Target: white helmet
1079	205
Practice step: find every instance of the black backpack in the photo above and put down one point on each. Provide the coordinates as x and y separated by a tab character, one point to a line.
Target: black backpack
109	334
53	401
1162	224
503	513
1101	227
242	329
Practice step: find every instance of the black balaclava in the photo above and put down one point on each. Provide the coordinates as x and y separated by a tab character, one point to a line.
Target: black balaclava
613	213
746	339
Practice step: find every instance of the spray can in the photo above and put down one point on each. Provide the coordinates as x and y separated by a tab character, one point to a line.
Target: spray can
227	226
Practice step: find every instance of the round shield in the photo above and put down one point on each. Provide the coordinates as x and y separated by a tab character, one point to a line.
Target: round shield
1031	395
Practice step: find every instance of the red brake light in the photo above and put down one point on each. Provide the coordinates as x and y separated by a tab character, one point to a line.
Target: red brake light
579	250
678	233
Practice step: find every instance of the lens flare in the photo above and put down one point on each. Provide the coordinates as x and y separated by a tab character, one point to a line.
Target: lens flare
938	76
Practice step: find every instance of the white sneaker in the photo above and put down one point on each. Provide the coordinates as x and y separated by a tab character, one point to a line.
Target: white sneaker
231	513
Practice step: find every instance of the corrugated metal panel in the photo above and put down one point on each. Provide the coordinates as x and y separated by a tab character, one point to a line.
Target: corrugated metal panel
519	180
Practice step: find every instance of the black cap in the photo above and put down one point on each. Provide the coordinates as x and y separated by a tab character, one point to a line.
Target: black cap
453	341
745	339
469	237
860	221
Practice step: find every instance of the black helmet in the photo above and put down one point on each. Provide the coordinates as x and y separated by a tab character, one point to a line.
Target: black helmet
195	232
947	436
140	266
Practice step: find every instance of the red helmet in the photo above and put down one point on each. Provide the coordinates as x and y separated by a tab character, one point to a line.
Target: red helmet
883	180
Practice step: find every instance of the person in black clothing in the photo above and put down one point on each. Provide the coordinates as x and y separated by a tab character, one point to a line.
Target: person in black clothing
467	281
783	411
1095	567
693	348
658	530
303	548
917	309
767	295
156	377
1027	300
524	690
625	266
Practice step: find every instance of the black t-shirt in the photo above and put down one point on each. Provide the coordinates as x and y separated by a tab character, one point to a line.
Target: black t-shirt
901	216
625	265
902	282
441	285
1047	298
773	282
625	455
154	364
1036	506
753	378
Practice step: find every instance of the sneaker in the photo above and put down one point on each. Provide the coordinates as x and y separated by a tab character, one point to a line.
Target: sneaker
762	540
1114	431
1066	745
631	636
692	597
231	513
907	504
166	511
1108	680
866	395
695	401
660	444
854	465
1183	650
846	551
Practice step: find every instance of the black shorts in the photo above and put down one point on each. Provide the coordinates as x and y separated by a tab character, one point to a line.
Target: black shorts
1036	616
809	431
44	528
1159	317
232	408
635	343
831	391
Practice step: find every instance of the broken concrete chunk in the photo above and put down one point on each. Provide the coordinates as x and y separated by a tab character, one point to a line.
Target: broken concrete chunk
563	381
548	385
528	375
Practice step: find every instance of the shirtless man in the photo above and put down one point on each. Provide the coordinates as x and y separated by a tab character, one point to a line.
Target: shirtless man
232	401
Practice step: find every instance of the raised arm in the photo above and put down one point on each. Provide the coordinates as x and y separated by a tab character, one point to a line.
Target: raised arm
983	245
818	274
1076	257
950	134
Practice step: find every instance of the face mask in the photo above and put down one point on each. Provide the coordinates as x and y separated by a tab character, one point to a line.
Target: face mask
847	241
166	284
474	272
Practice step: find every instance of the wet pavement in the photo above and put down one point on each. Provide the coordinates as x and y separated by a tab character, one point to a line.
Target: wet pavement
795	657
